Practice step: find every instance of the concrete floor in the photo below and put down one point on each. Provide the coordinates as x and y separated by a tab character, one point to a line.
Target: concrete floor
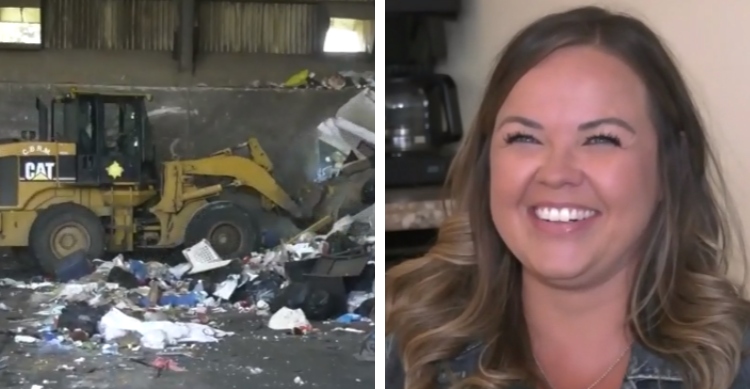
255	357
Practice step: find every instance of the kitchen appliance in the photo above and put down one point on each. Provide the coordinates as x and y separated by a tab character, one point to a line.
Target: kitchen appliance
421	113
421	117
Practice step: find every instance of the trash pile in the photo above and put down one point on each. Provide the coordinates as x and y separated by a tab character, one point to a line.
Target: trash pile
306	79
351	132
132	304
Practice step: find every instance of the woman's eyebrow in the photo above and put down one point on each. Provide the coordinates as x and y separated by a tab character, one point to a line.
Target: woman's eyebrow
526	122
590	125
606	121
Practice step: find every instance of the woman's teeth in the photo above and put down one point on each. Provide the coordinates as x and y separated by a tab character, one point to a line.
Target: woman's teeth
563	214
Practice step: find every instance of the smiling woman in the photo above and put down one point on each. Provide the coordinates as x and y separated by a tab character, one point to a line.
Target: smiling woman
570	155
590	238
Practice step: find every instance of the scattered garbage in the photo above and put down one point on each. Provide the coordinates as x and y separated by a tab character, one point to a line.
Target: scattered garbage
74	266
305	79
288	319
351	133
367	351
145	312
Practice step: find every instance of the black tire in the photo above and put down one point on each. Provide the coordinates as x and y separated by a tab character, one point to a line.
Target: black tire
51	221
277	226
228	227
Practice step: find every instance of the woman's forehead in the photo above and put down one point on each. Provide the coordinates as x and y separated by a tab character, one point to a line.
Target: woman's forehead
575	83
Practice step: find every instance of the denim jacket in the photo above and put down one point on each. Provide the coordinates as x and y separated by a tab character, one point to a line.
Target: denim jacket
645	370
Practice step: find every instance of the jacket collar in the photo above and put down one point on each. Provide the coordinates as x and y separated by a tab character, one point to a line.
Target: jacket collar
644	365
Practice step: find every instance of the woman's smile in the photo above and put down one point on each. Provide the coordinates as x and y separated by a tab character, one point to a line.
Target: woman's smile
562	219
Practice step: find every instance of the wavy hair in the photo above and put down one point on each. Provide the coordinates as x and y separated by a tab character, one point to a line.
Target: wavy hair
683	306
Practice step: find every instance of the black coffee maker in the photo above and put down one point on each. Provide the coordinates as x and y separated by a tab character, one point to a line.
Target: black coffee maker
422	113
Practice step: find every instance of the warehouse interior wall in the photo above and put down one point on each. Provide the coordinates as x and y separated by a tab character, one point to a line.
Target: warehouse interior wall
707	38
219	98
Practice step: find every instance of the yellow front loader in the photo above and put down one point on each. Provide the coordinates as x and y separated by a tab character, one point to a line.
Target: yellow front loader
89	180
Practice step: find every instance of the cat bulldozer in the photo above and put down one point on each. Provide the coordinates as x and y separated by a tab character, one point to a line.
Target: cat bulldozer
89	180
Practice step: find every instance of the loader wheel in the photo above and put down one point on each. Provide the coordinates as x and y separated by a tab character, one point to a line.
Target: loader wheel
229	228
276	225
63	229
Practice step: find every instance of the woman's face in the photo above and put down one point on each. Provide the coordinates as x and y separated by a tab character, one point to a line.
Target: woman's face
573	168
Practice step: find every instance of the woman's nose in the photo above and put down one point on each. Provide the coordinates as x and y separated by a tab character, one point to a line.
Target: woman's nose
559	168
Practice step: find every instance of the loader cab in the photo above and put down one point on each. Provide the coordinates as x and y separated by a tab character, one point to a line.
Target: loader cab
112	134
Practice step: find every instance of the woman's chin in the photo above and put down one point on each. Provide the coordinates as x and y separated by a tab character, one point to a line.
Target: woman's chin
559	271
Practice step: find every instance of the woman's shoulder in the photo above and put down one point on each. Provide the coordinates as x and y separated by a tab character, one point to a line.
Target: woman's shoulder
394	369
393	353
466	362
743	375
460	366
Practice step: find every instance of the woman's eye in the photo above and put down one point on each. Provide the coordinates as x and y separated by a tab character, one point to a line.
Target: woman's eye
520	138
603	140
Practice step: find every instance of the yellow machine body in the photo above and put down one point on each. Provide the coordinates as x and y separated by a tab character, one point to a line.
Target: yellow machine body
154	211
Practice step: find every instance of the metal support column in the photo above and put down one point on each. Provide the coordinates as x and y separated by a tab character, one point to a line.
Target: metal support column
187	32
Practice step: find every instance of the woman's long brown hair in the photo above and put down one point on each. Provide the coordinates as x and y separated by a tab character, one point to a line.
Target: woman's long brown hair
683	306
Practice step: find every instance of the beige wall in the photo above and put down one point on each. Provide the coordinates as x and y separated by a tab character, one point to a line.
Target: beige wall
710	39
